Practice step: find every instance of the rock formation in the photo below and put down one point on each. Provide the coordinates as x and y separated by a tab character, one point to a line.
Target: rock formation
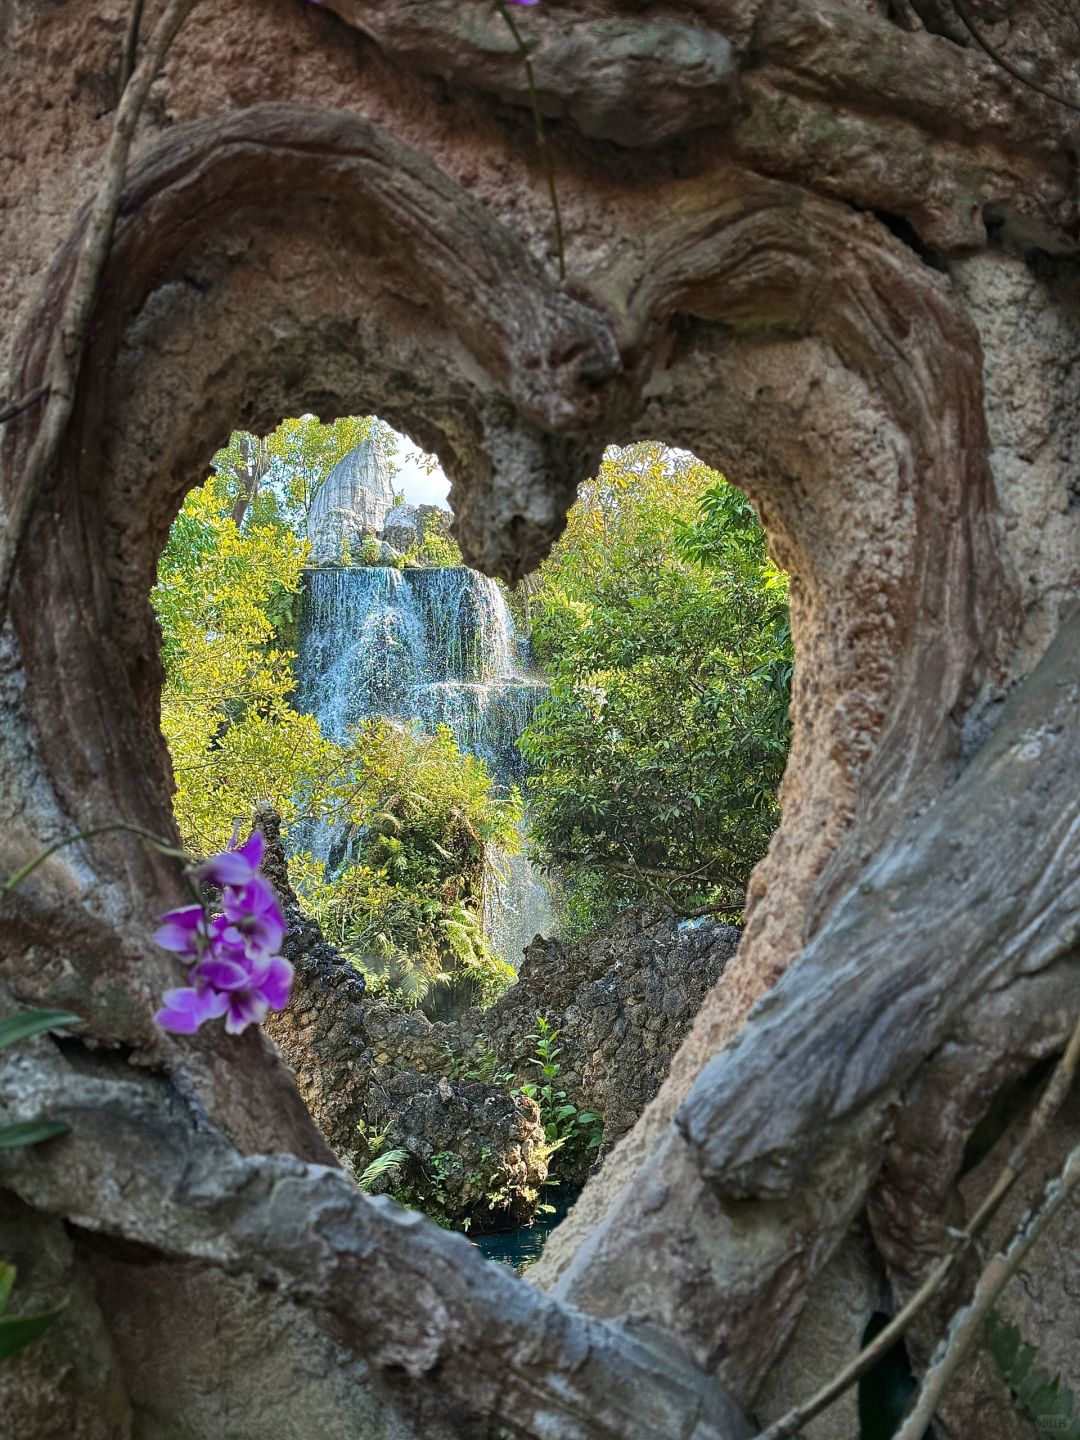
828	245
402	526
351	506
621	1001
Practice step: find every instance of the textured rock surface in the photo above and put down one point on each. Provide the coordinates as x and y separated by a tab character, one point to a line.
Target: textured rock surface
70	1384
350	506
831	248
402	526
622	1002
476	1157
334	1041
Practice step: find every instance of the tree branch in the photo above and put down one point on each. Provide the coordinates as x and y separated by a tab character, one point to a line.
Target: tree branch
965	1326
23	403
900	957
463	1341
65	355
1050	1103
131	43
541	133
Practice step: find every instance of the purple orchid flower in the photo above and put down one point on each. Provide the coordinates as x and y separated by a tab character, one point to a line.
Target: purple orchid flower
235	866
254	917
182	930
185	1010
235	970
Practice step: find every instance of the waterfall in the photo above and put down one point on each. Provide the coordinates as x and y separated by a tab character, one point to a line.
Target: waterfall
436	646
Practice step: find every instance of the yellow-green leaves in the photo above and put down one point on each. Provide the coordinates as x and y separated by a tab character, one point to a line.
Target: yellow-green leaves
233	735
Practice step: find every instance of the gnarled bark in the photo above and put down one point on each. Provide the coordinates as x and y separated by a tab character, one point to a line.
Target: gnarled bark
801	241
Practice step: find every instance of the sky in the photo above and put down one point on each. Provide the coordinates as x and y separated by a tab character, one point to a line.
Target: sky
420	489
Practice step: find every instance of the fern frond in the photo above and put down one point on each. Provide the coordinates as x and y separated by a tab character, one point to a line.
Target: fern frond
383	1166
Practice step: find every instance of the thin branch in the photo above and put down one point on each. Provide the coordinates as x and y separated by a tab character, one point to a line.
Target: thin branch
1050	1103
23	403
69	341
131	44
541	134
966	1325
1007	65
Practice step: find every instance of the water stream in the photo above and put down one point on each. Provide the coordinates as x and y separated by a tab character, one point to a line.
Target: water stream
435	646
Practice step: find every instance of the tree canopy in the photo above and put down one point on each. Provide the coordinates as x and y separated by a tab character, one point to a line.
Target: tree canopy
273	479
418	813
663	626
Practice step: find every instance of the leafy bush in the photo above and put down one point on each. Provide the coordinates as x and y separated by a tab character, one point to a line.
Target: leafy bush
565	1126
407	903
656	757
437	549
233	735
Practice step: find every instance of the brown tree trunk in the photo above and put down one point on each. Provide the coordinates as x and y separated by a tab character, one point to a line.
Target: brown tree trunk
249	476
831	248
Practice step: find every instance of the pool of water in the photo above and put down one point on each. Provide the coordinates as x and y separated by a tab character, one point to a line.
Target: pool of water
521	1248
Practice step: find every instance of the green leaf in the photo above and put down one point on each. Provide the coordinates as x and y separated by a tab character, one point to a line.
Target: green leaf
388	1164
7	1280
33	1022
30	1132
18	1331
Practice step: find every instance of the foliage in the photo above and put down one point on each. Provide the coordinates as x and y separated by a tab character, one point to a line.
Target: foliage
657	755
1036	1394
234	737
407	902
371	553
565	1126
436	548
273	479
18	1331
385	1166
480	1064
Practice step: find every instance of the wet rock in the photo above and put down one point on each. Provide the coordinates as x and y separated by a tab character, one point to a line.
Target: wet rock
475	1155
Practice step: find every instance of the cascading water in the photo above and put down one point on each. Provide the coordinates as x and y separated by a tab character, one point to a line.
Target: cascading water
436	646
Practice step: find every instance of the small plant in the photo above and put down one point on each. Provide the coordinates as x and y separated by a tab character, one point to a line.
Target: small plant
565	1126
374	1140
1036	1394
18	1331
487	1067
434	551
383	1167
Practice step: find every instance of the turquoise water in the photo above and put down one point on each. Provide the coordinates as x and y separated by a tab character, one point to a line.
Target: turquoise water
521	1248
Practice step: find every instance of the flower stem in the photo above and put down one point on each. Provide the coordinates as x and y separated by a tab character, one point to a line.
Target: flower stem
155	841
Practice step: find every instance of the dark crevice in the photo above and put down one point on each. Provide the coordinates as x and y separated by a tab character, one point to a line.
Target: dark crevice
1013	1100
906	233
887	1388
